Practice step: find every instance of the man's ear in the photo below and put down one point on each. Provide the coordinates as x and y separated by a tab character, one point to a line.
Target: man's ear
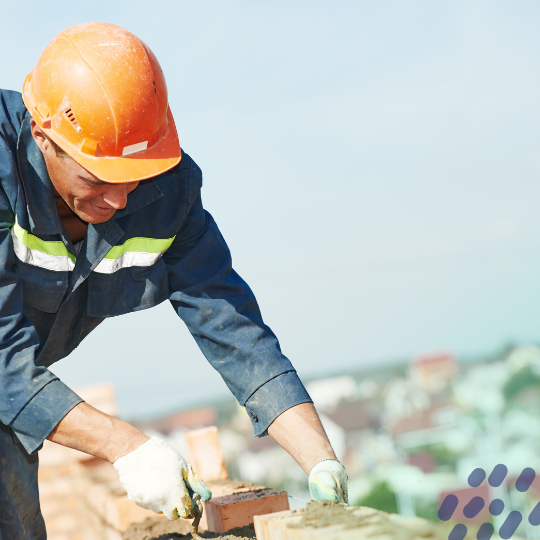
40	138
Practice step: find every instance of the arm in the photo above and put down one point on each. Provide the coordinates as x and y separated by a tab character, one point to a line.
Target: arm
154	475
299	431
222	314
88	430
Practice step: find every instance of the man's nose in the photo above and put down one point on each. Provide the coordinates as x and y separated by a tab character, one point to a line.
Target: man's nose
116	196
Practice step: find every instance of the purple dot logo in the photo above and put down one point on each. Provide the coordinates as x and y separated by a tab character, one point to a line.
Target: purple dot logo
496	507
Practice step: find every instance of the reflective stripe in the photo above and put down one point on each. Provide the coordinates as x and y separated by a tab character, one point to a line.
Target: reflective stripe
52	255
133	252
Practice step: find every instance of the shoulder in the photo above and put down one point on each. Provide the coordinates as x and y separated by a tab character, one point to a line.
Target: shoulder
188	164
12	103
185	179
12	111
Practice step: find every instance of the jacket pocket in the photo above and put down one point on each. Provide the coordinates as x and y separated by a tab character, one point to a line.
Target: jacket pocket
43	289
126	290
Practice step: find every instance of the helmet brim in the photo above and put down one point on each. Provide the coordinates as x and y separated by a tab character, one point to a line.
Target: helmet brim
162	157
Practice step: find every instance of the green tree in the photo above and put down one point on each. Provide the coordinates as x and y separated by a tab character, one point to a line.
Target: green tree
524	378
427	509
443	456
381	497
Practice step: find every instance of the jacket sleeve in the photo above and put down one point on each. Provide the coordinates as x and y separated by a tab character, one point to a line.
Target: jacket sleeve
32	399
222	315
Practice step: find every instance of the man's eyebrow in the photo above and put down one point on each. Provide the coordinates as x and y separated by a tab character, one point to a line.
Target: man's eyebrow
91	180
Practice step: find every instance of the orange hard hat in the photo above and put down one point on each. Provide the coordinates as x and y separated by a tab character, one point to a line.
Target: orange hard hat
99	93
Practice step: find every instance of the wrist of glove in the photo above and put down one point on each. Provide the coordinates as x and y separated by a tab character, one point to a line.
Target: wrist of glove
328	482
157	477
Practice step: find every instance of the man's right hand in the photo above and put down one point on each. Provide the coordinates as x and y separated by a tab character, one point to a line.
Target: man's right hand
154	474
158	478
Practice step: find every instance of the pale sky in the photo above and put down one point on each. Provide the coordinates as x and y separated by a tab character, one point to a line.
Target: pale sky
373	166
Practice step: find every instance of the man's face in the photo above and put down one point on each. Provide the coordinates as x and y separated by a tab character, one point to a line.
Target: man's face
93	200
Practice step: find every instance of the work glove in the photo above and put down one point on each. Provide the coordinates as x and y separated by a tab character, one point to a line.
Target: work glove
158	478
328	482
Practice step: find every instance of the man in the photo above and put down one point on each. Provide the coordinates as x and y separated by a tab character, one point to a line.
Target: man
101	215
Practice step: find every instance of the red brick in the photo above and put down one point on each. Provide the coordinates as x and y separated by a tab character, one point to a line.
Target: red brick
205	455
225	513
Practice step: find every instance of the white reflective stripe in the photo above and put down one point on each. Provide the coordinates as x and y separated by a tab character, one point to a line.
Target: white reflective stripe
40	259
134	148
131	258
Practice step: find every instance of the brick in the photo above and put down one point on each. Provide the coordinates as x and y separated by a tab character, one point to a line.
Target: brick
238	510
83	502
107	499
373	525
205	454
104	497
272	526
60	504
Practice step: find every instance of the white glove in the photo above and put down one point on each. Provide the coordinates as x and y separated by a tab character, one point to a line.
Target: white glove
328	482
158	478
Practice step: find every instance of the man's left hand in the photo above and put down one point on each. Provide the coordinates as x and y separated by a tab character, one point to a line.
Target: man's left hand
328	482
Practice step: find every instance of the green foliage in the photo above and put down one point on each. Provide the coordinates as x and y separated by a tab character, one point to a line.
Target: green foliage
522	379
381	497
443	456
440	452
427	510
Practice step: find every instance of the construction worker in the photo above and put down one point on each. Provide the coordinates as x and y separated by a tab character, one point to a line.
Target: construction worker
101	215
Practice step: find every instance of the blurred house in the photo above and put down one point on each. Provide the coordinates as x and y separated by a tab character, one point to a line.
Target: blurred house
424	460
328	393
357	415
481	387
433	372
401	399
358	421
263	460
181	420
431	417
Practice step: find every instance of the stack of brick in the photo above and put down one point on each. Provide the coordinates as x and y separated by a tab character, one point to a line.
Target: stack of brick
61	470
58	478
83	499
109	513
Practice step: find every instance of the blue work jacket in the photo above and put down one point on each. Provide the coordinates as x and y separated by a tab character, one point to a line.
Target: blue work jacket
52	297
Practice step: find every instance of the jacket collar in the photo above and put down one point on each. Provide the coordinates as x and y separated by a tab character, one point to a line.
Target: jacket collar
39	191
146	193
37	186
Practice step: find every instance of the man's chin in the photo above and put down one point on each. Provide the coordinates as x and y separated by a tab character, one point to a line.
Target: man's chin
95	218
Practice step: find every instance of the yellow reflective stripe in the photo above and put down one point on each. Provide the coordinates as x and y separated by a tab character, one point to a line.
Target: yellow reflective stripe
140	245
55	248
54	255
133	252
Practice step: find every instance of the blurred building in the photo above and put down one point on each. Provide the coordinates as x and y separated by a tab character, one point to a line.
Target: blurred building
433	372
181	420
